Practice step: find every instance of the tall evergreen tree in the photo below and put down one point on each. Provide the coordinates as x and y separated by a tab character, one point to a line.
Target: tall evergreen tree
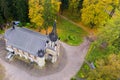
64	5
5	10
21	10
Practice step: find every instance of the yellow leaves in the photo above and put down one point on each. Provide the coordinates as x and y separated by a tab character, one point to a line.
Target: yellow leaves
107	69
37	8
73	4
35	12
56	5
93	12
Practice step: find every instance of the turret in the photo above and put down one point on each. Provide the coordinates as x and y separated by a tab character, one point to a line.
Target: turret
40	53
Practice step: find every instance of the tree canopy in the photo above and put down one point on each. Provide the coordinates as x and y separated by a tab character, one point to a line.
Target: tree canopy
95	12
44	12
35	12
13	10
110	33
106	69
51	8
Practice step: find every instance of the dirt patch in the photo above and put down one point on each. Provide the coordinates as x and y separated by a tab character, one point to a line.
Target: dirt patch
2	72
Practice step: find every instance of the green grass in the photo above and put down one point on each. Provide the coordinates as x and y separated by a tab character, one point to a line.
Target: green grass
72	16
69	32
94	53
83	71
1	31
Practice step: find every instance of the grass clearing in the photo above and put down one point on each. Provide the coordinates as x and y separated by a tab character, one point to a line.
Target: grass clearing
69	32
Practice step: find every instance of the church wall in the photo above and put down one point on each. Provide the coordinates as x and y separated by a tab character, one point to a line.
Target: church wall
38	60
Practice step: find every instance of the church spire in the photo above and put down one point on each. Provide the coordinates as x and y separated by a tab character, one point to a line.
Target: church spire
54	27
53	35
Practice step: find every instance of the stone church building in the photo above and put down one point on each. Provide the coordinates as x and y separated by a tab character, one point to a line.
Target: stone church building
32	45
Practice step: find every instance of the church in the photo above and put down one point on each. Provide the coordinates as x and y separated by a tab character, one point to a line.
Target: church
32	45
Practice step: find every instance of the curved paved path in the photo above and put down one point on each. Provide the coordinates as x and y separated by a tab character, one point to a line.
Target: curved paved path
75	58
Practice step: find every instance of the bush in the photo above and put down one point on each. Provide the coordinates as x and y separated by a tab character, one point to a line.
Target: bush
70	37
73	78
1	31
20	24
27	24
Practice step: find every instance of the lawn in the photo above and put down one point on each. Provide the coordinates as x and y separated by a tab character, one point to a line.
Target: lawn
69	32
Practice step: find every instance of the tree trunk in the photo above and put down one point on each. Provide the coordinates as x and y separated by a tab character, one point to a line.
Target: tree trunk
39	29
46	31
92	25
112	12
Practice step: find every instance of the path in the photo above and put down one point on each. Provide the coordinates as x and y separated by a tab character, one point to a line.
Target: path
75	58
91	32
81	26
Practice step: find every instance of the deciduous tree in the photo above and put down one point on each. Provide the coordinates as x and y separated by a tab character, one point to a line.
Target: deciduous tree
106	69
95	12
51	8
73	5
110	33
35	12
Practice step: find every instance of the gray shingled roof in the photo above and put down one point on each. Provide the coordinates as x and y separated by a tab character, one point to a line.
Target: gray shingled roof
26	40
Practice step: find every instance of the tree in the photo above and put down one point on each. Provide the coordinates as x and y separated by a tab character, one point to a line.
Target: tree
64	5
73	5
43	12
20	10
51	8
110	33
95	13
106	69
80	6
14	10
5	10
1	18
111	6
35	12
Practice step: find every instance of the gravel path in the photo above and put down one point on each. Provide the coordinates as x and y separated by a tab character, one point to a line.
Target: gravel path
73	59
